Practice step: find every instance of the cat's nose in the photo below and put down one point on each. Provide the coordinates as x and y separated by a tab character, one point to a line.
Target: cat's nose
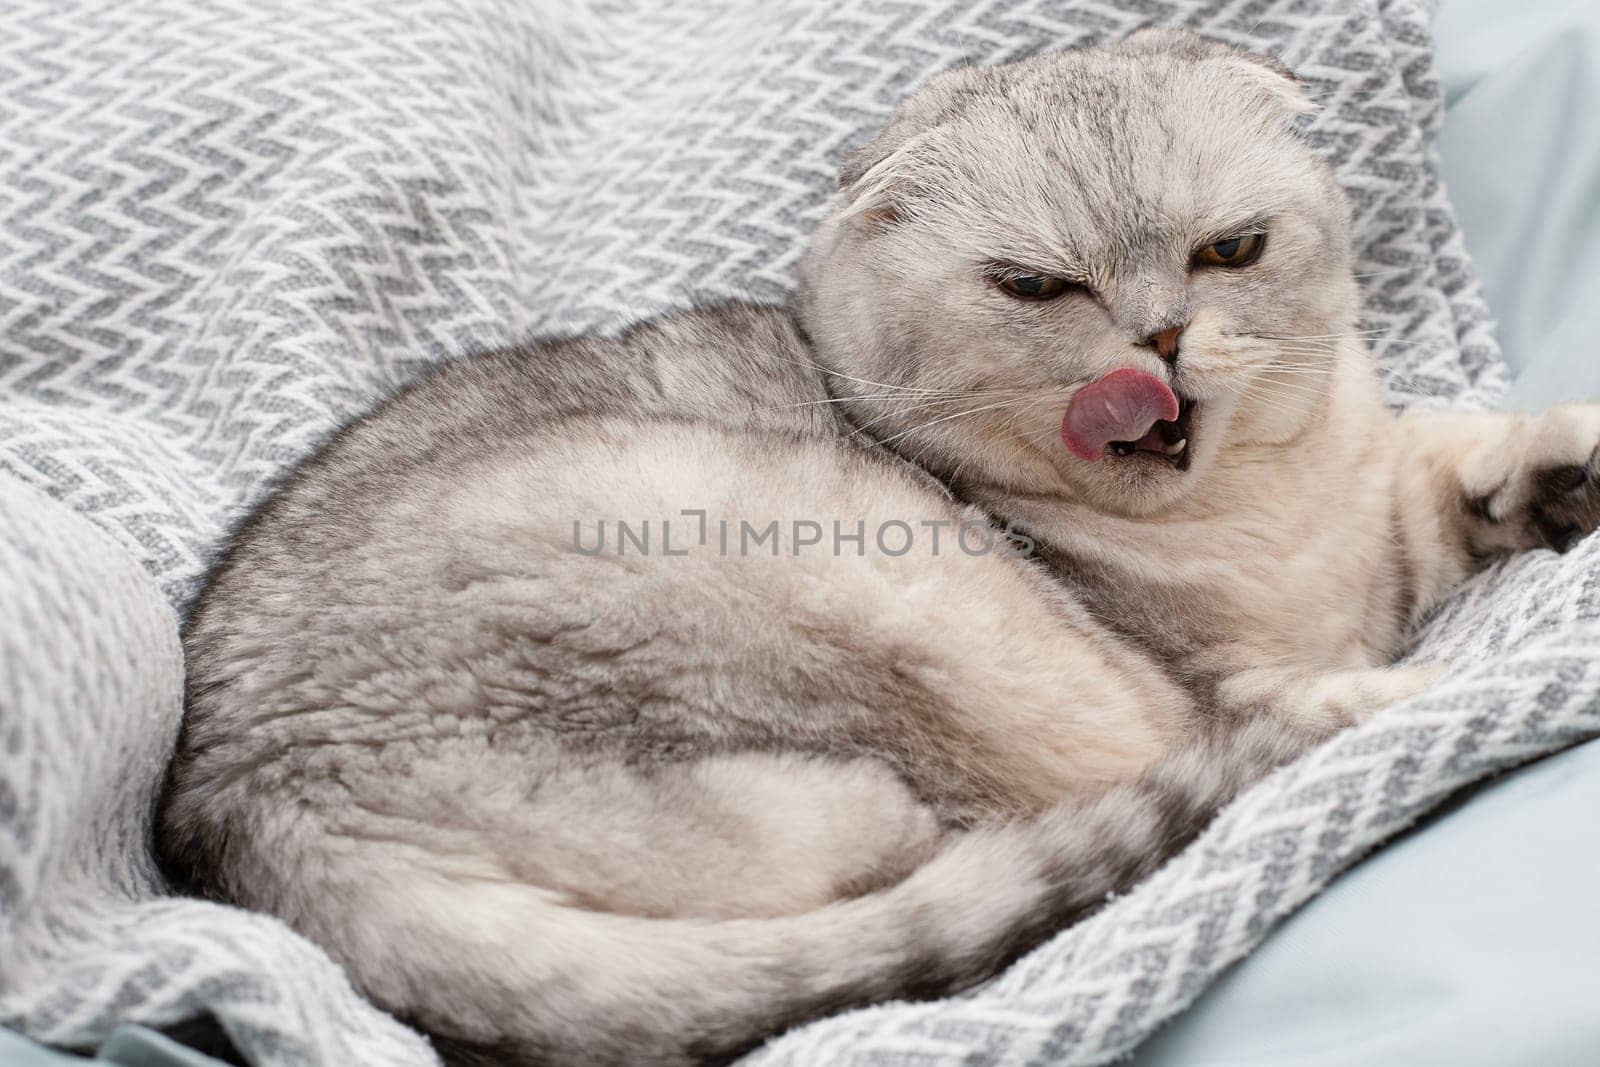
1166	343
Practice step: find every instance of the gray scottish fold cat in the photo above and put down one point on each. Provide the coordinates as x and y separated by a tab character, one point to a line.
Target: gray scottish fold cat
626	701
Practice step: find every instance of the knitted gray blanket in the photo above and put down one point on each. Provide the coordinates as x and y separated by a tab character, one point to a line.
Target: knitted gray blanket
229	224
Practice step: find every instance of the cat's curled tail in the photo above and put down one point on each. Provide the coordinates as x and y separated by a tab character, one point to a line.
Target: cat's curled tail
514	976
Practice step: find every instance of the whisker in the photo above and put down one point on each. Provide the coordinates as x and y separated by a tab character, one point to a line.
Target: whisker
1295	395
891	413
1299	377
1010	426
1273	402
1323	373
970	395
1306	383
1313	336
1386	273
944	418
1317	370
850	377
830	400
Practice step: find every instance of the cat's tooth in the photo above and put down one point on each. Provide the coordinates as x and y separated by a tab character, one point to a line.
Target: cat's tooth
1173	450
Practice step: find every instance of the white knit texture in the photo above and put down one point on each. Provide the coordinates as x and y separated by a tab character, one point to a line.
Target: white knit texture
227	225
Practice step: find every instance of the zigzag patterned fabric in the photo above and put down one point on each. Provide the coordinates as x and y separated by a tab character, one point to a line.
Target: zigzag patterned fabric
227	225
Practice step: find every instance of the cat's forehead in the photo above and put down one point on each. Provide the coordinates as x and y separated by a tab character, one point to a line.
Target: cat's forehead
1106	142
1113	104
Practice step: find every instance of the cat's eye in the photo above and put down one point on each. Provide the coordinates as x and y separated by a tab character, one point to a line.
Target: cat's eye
1034	286
1240	251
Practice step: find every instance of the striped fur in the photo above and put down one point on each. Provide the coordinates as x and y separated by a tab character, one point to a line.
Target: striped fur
652	804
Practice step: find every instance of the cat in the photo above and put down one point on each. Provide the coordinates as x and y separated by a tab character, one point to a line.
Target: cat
629	700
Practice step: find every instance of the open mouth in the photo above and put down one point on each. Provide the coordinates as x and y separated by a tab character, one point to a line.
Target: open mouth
1131	416
1167	441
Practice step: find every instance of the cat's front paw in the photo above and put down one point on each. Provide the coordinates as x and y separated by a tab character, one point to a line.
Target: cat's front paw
1550	497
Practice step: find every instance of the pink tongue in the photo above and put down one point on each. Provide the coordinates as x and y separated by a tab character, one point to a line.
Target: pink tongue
1122	406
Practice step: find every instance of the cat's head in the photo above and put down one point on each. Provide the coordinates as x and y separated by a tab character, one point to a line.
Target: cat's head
1032	264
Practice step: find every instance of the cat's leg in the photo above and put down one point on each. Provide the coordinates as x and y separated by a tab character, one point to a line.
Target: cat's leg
1471	486
1326	699
725	836
722	836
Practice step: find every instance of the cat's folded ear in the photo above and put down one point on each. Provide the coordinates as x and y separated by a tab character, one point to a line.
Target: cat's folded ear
1277	81
876	175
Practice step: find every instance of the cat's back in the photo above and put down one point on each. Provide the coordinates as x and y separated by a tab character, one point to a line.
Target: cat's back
737	365
383	579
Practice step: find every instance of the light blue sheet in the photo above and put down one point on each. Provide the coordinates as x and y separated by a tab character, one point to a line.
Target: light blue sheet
1521	155
1475	941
